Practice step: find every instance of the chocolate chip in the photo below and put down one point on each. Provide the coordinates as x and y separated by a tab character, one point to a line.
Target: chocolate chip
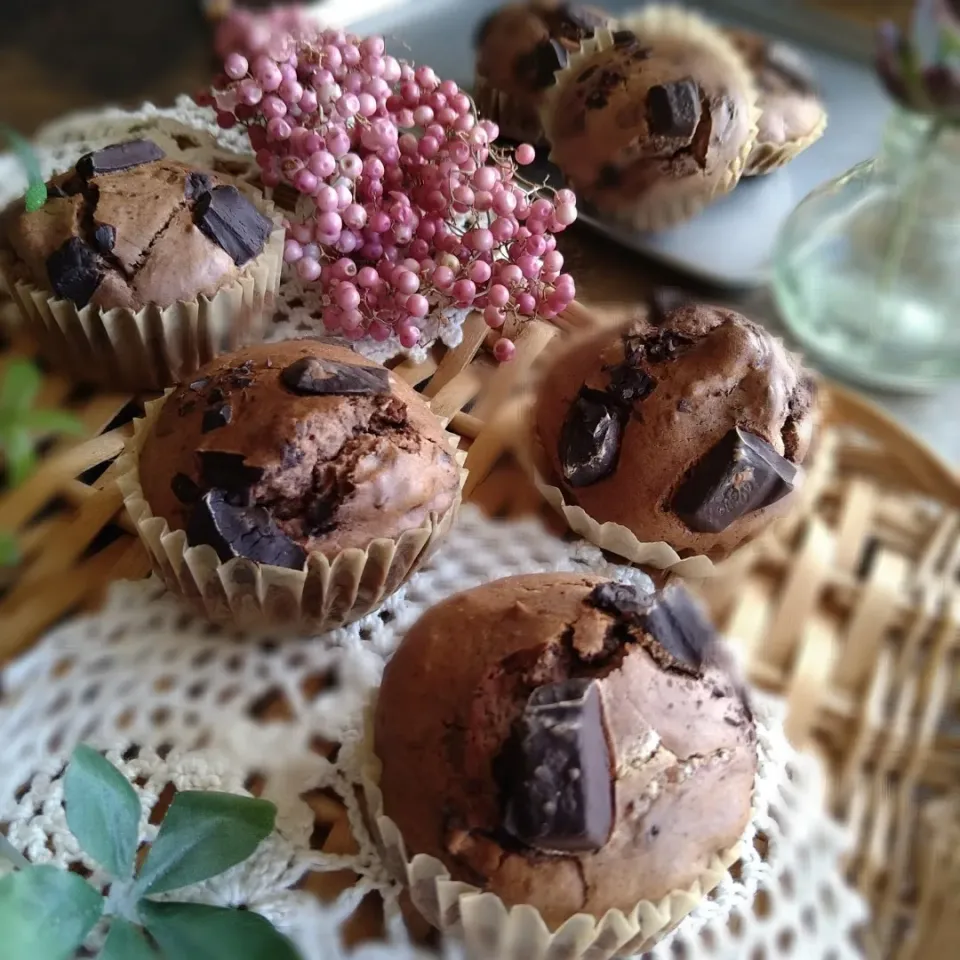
590	439
216	417
184	489
104	237
557	771
664	301
118	156
621	600
623	38
678	624
673	109
588	73
231	221
629	385
741	474
227	471
74	271
665	346
199	384
196	184
241	532
316	377
69	188
596	100
684	405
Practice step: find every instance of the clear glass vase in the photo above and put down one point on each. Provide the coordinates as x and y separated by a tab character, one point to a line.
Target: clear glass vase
867	268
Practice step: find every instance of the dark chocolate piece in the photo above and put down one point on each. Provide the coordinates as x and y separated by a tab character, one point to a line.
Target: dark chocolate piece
118	156
316	377
590	439
664	301
620	600
241	532
74	271
629	384
232	222
558	781
673	109
741	474
104	237
678	624
216	416
623	38
69	188
666	346
587	74
196	184
184	489
227	471
199	384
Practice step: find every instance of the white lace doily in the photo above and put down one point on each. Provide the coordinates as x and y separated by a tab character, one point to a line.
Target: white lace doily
145	671
60	143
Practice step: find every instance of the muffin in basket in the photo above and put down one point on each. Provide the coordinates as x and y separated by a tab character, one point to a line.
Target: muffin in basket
518	49
585	757
651	123
792	115
294	483
138	268
680	435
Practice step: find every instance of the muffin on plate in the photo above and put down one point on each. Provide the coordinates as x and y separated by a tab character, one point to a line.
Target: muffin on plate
138	268
680	435
586	753
651	122
792	115
295	481
518	49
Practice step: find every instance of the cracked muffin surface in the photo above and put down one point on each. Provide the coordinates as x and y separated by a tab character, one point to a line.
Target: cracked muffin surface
688	426
283	449
129	227
650	124
586	747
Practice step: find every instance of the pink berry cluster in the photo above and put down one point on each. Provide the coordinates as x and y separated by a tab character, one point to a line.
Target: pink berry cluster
248	32
406	204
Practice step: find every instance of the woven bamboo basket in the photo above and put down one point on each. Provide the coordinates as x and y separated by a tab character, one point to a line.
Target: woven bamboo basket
850	610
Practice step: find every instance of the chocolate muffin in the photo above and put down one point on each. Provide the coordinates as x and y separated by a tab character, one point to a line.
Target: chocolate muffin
284	450
653	125
519	48
586	748
128	227
688	426
792	116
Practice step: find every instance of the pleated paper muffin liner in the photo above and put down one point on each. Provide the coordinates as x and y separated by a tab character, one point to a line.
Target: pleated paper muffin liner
612	537
327	593
767	157
650	24
154	347
516	119
494	930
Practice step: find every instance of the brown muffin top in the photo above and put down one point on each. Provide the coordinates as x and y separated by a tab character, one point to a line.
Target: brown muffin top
282	449
128	227
790	106
566	742
649	122
686	426
520	46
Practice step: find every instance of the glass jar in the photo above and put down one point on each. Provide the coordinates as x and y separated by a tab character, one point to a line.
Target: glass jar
867	268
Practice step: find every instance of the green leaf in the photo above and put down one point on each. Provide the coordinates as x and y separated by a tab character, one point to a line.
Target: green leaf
21	458
45	913
52	421
203	834
127	942
31	165
9	549
20	386
103	811
193	931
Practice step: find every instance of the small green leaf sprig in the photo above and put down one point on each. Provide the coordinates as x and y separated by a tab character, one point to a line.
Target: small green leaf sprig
36	195
20	422
47	913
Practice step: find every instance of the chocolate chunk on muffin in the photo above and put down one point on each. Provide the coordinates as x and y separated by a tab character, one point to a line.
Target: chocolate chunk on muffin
792	115
688	426
654	123
586	748
283	450
129	227
519	48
